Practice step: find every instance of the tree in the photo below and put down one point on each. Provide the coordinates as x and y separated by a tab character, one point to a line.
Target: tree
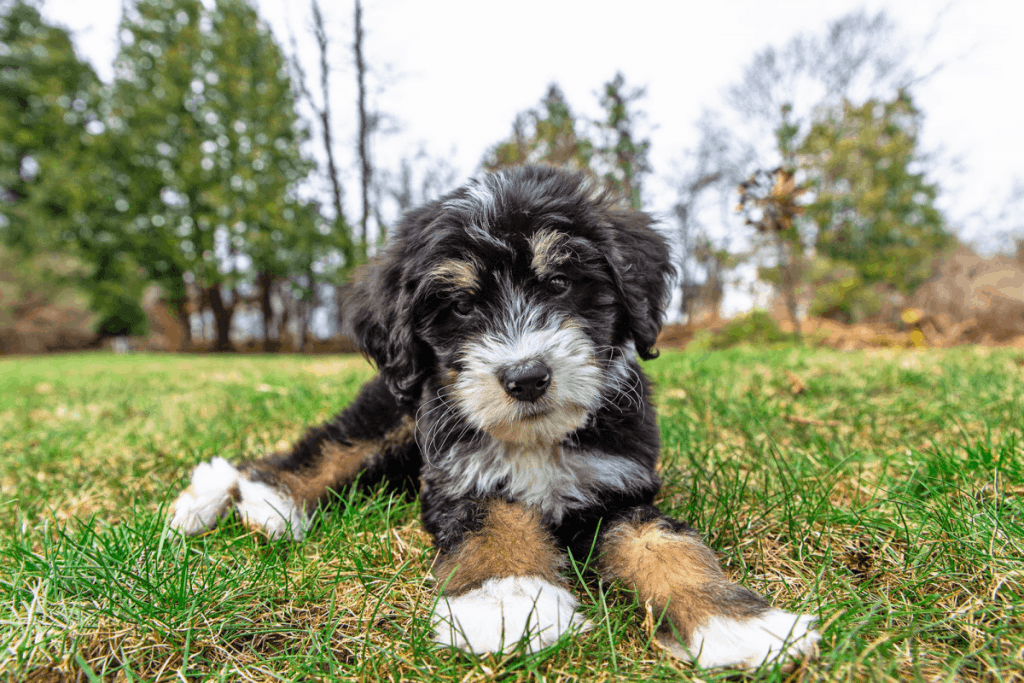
626	155
873	209
785	90
857	55
339	226
212	142
705	187
45	91
55	169
259	204
545	135
420	178
552	134
365	125
770	201
152	126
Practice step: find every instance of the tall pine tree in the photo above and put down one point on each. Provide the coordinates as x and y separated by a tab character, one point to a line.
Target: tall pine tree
626	156
56	175
212	141
552	134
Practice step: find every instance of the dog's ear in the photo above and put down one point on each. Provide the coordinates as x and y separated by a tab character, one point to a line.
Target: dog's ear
642	270
379	311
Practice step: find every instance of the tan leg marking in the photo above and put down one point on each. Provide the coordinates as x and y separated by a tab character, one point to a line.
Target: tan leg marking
676	573
511	542
337	466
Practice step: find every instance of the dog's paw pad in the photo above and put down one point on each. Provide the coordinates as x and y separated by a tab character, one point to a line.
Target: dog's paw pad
270	510
502	612
198	508
748	643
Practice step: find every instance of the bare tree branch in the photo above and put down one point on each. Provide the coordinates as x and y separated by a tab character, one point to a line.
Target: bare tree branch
365	124
324	112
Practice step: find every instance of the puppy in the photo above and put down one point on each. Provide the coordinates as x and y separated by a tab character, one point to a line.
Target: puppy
506	321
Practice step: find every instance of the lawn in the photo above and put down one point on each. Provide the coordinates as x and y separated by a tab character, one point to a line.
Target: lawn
882	490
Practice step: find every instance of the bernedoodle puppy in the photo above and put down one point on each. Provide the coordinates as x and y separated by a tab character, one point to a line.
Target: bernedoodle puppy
506	321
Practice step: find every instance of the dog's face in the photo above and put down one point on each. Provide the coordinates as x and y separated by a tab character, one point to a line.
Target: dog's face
522	295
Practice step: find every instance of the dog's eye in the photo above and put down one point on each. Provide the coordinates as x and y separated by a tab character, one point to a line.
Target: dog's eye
559	285
463	307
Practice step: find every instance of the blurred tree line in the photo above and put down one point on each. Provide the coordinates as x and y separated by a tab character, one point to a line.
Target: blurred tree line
192	169
605	149
184	172
819	139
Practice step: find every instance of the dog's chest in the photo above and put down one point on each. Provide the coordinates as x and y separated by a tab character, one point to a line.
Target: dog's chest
553	479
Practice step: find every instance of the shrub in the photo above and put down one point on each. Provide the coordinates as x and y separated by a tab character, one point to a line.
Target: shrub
757	328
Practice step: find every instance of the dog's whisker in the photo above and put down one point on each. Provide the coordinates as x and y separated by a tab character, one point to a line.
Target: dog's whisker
437	427
443	427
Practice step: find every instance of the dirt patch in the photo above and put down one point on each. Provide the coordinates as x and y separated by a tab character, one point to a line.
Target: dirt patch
973	299
48	329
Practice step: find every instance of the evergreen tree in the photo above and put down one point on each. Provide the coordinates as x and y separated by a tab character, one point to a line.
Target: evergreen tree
152	128
55	175
626	156
545	135
552	134
213	141
45	92
873	208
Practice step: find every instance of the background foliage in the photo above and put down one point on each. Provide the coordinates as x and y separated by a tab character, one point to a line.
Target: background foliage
196	169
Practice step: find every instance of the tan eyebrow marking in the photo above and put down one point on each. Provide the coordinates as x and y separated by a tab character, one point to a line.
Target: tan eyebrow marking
457	274
547	251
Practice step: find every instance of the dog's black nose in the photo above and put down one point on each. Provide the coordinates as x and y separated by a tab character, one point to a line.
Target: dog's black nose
526	382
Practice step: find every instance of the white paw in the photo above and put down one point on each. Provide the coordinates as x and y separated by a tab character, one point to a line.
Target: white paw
269	510
498	614
201	505
747	643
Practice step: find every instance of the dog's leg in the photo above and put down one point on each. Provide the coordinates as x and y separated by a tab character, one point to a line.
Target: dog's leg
371	440
500	582
704	617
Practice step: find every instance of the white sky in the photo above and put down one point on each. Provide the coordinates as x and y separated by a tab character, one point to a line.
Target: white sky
462	69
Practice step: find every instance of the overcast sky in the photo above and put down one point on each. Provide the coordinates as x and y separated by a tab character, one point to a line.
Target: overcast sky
457	71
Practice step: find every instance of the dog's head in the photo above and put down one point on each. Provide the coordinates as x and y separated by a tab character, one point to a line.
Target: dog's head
522	293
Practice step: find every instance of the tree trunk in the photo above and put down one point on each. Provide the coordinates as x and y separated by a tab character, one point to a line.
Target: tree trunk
364	125
307	314
265	281
324	114
320	33
789	274
222	315
185	321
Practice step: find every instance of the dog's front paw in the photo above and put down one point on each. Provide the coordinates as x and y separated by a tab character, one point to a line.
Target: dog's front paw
501	612
213	490
270	510
217	486
748	643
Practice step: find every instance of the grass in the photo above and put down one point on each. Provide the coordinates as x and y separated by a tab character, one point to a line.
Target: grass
881	490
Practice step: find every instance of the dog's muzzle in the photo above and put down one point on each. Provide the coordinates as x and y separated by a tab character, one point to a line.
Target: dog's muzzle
526	381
